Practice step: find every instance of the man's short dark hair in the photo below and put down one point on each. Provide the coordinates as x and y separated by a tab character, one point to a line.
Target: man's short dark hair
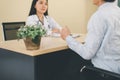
109	0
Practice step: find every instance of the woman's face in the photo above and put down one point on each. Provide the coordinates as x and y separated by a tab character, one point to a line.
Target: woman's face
41	6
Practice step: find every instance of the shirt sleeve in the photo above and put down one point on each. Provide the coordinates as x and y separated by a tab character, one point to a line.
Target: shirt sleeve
32	20
53	23
95	35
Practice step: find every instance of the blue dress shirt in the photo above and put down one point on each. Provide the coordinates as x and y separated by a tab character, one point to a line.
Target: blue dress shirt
102	43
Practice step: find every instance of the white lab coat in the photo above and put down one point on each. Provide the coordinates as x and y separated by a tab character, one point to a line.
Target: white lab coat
49	23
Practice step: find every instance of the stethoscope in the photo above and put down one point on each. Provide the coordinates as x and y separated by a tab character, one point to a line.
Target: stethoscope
42	22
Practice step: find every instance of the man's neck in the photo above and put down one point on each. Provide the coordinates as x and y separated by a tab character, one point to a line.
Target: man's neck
100	3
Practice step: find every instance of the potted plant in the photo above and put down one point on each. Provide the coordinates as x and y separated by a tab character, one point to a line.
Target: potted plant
31	34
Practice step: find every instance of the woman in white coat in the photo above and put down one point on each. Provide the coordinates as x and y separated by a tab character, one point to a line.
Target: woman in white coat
39	15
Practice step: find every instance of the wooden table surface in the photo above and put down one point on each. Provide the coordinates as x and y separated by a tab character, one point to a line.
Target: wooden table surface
48	44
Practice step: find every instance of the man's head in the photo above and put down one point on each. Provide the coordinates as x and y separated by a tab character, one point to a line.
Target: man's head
99	2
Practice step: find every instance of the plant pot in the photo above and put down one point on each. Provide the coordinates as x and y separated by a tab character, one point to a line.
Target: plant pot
32	44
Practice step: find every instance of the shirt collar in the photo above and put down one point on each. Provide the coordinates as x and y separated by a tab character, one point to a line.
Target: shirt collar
106	4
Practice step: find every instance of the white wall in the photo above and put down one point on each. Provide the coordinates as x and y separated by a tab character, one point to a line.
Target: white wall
73	13
12	11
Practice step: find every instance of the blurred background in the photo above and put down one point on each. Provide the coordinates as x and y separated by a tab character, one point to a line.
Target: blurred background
73	13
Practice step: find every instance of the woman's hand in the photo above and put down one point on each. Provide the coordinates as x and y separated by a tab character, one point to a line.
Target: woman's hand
65	32
55	30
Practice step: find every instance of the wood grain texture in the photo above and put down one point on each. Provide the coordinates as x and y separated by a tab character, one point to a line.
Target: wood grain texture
48	44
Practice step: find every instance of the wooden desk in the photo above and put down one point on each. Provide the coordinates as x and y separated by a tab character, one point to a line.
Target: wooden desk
53	61
48	44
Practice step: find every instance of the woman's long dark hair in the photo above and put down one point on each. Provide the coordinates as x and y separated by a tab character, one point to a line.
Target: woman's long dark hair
33	10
